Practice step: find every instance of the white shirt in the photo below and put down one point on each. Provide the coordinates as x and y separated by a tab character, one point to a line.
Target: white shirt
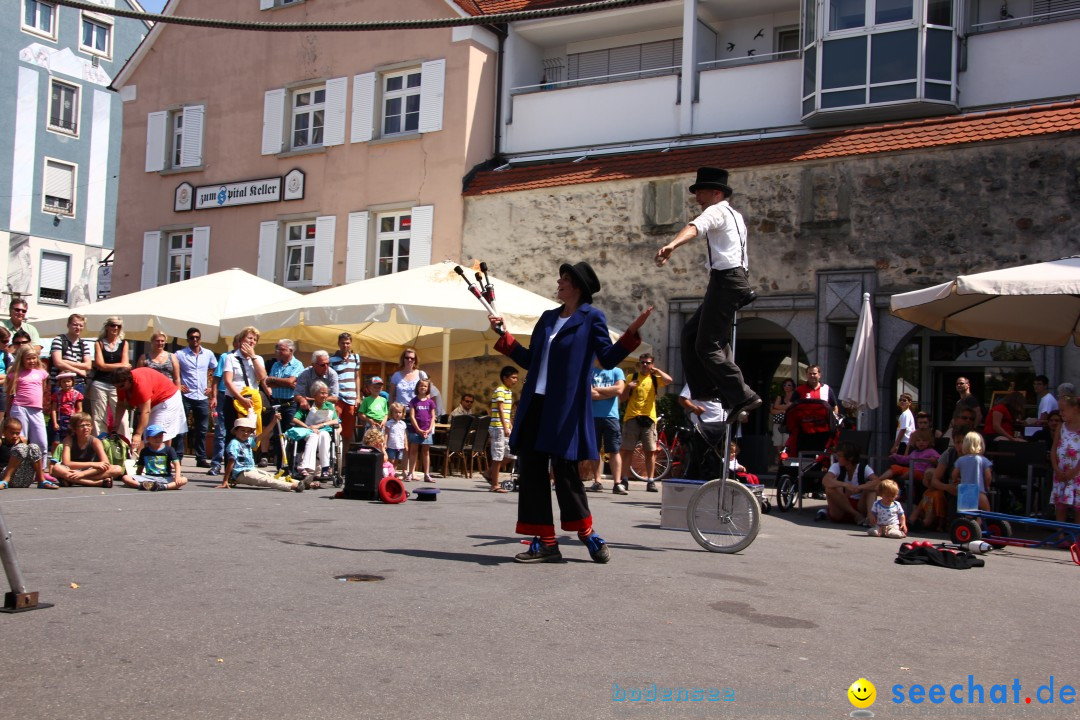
850	479
239	365
541	378
906	421
887	514
714	411
725	231
1047	404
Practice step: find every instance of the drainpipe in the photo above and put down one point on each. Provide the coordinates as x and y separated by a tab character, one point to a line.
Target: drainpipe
502	31
688	96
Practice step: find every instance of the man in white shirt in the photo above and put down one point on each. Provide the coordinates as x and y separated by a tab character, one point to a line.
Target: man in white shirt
710	418
1047	404
707	359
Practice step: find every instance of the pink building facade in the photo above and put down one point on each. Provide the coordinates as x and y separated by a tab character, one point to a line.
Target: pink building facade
311	159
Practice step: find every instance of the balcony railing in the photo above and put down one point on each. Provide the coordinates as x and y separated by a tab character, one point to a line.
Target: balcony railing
66	125
597	79
750	59
1024	20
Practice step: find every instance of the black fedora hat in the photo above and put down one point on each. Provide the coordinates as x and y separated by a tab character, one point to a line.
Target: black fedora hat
709	178
584	278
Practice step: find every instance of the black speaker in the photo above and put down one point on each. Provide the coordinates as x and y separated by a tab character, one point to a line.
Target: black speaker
363	471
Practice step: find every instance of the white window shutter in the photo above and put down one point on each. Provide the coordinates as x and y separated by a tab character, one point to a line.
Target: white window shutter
59	180
266	4
334	125
363	109
356	255
151	254
423	221
323	272
191	140
273	121
268	247
156	125
200	249
432	81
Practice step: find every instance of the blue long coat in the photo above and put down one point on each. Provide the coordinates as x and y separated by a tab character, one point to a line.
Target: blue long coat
566	426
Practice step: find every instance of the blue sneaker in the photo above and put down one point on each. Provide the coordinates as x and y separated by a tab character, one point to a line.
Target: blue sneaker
538	553
215	469
597	548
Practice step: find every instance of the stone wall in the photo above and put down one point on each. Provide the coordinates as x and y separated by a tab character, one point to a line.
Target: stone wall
918	218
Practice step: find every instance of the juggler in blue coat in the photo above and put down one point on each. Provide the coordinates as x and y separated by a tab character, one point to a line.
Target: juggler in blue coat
555	425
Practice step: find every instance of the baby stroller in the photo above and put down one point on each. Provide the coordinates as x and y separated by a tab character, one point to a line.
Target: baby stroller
813	430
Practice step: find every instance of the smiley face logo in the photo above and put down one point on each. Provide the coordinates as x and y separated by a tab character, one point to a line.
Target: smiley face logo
862	693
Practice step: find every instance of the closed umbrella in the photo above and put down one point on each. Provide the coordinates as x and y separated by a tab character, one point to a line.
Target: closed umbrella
1037	304
860	386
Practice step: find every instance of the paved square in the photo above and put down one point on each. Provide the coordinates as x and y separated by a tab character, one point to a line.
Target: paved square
225	604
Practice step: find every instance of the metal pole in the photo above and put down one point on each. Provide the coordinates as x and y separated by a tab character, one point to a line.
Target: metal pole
730	425
19	599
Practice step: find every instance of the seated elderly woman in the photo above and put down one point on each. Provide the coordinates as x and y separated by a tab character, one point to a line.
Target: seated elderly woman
320	421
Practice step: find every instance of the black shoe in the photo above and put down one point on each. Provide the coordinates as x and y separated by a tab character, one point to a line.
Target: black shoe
651	487
748	405
202	463
538	553
597	548
748	298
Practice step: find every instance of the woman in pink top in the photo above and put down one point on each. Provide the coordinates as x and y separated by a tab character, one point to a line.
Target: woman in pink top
26	395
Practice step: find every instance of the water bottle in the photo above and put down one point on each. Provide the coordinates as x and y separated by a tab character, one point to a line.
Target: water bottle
977	546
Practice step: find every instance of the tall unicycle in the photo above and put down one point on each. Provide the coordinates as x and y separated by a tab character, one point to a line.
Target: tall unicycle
723	516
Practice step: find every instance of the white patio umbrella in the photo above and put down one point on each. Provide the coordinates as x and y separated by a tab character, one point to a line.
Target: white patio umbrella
860	386
1037	304
199	302
428	308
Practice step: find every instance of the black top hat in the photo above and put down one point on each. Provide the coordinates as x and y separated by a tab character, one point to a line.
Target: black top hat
709	178
584	278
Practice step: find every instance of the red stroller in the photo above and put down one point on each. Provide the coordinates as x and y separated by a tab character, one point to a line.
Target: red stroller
813	431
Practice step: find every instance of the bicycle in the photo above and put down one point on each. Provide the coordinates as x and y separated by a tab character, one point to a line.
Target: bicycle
670	456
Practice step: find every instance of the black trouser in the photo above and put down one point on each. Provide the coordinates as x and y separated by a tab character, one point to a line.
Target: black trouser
707	452
199	410
534	486
708	362
288	412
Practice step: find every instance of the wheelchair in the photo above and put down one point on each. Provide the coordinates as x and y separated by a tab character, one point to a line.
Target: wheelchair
295	450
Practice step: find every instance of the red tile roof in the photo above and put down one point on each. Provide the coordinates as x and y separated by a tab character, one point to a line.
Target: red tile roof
490	7
932	132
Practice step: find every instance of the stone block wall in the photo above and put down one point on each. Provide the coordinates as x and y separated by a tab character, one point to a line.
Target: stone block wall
918	218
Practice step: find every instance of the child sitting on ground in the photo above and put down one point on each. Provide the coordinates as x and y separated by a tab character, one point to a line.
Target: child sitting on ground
973	468
240	459
21	461
157	463
84	461
397	444
887	513
373	437
738	471
922	457
66	401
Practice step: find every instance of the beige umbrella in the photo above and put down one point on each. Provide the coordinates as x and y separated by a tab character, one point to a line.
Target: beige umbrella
428	308
1038	304
199	302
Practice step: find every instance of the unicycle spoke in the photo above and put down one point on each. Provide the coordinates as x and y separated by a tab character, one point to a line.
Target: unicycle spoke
723	516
